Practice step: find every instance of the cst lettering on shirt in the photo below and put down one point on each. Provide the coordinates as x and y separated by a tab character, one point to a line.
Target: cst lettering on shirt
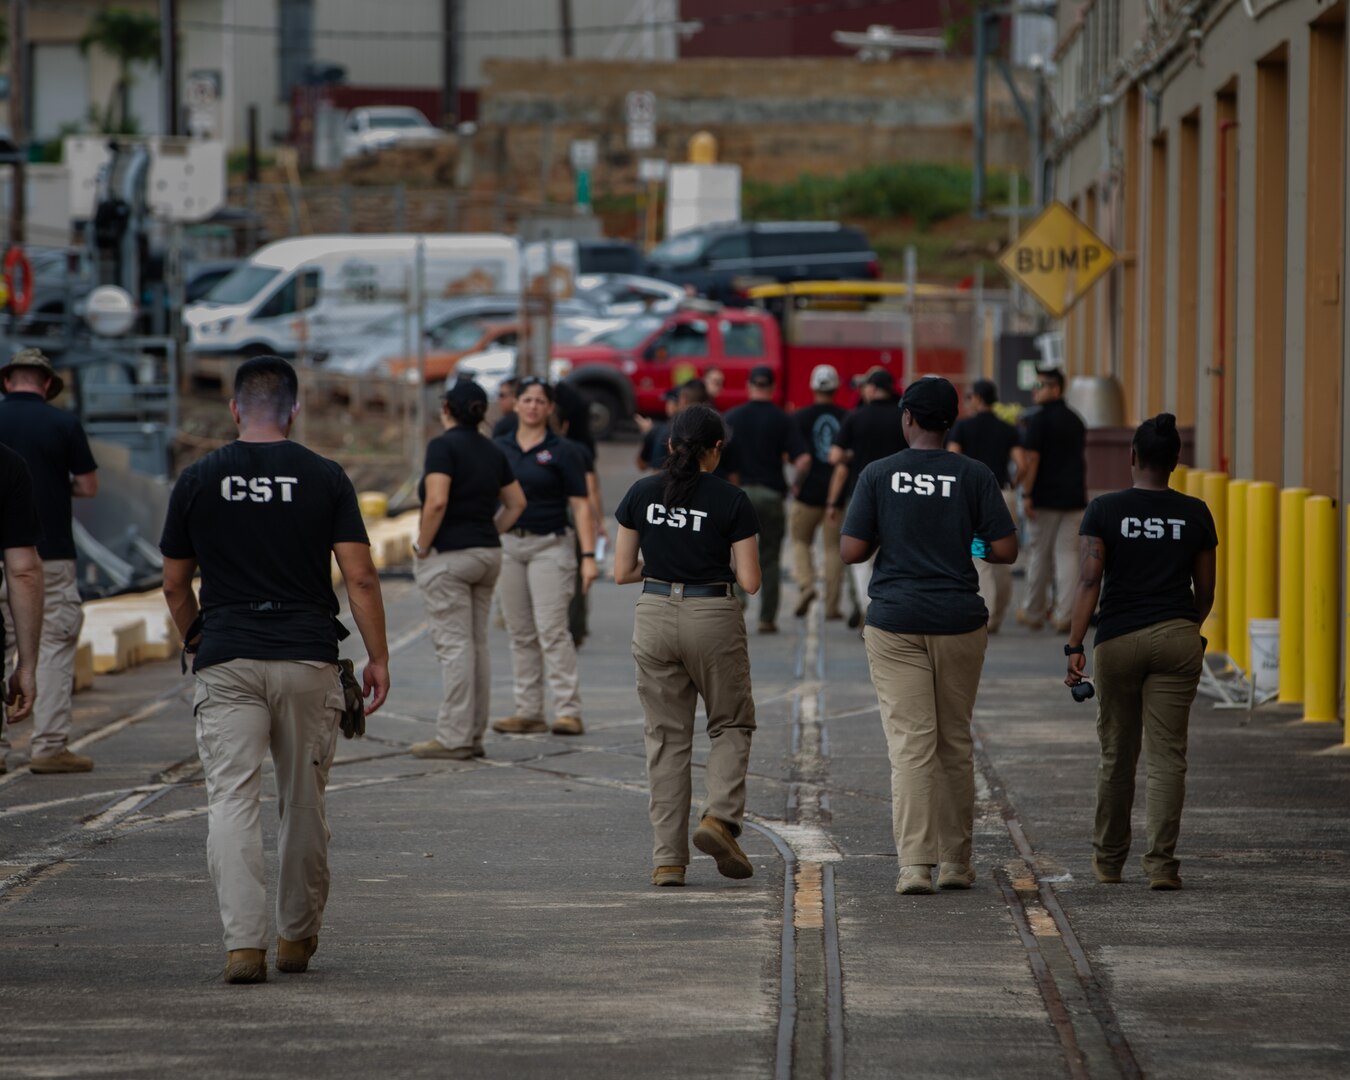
258	489
903	483
676	519
1132	528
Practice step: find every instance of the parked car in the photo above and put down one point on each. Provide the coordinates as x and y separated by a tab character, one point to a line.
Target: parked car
629	294
450	324
628	369
490	367
441	362
370	130
721	261
316	290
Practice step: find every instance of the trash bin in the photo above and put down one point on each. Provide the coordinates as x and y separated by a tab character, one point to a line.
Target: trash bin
1264	635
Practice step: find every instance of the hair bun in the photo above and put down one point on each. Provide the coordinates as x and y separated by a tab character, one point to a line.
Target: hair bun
1165	423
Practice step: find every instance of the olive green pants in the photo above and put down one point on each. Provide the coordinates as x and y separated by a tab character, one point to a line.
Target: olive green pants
926	686
1146	681
772	517
686	649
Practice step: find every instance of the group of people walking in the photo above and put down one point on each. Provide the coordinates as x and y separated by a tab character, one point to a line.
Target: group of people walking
515	515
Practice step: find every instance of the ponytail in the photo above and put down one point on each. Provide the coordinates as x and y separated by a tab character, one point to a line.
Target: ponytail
693	432
1157	443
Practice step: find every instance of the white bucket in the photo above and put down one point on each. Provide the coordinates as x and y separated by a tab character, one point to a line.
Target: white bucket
1265	649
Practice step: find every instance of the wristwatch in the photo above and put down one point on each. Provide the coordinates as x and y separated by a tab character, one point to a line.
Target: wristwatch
588	554
1073	650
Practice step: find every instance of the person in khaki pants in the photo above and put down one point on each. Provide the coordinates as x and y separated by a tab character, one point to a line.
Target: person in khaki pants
263	518
1155	548
920	512
818	424
539	566
469	497
697	535
56	451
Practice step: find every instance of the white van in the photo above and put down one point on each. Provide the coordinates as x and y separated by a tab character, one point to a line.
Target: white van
306	293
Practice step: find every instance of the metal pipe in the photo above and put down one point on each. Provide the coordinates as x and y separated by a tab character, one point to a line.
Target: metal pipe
977	195
18	128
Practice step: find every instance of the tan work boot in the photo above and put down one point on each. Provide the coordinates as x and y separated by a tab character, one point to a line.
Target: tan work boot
668	875
956	875
915	880
568	725
1165	884
1023	619
293	956
1105	874
246	966
713	837
438	751
62	762
519	725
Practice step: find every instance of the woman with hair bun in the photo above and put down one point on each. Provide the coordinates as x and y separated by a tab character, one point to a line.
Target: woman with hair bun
1155	549
469	498
698	537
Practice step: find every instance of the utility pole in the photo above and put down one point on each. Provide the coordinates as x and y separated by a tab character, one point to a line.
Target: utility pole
977	194
565	24
168	66
450	61
18	79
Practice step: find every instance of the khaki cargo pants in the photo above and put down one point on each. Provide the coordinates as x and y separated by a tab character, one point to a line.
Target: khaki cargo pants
457	589
926	686
245	708
686	649
62	618
537	581
996	578
803	521
1146	682
1052	558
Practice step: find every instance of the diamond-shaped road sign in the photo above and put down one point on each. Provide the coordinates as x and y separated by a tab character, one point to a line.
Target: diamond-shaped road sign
1057	259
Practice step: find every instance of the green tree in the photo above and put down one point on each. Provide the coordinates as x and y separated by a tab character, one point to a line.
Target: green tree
128	37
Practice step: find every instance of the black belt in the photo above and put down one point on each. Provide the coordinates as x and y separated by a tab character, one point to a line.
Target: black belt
665	588
523	533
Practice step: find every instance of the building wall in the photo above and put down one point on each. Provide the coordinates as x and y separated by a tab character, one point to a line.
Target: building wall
1208	80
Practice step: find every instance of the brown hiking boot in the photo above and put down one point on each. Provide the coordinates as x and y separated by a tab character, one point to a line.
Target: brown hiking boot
1023	619
246	966
955	875
568	725
519	725
1165	884
438	751
915	879
1105	874
668	875
62	762
713	837
293	956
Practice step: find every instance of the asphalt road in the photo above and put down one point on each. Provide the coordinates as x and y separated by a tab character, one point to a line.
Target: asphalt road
493	918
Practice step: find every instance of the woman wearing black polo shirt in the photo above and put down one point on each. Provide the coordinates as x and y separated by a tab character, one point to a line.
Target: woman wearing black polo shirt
539	565
698	536
469	497
921	511
1155	547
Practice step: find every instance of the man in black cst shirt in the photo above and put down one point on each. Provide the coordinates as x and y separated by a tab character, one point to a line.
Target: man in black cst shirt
818	425
762	439
53	445
22	578
262	517
990	441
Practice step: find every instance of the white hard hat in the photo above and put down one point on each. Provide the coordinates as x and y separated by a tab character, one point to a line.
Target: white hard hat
824	377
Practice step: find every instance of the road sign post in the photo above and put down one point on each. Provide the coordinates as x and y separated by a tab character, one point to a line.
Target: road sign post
1057	259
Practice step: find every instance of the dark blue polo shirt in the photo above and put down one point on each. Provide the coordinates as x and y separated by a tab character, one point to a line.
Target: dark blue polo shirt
550	472
53	445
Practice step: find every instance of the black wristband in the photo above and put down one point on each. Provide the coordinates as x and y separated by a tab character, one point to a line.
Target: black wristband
1074	650
588	554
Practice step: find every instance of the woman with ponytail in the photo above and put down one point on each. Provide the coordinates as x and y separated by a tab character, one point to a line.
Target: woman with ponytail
697	535
1148	554
469	498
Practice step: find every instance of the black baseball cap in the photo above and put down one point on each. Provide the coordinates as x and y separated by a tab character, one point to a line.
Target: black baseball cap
882	380
465	392
932	397
761	375
986	390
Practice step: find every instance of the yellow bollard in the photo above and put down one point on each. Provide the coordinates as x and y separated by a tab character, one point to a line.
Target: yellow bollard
1195	484
1261	560
1292	512
1236	606
1321	614
374	505
1178	478
1216	498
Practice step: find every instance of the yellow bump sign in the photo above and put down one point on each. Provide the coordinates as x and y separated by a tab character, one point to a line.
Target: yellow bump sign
1057	259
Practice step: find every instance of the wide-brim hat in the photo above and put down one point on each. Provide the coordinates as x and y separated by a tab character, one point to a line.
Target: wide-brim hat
34	358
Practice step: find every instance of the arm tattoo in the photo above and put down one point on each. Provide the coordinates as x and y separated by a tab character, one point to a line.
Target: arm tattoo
1091	555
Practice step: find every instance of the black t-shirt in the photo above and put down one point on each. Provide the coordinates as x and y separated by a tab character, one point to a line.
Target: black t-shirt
506	425
261	520
19	526
691	544
53	444
550	472
924	507
1151	540
1056	433
818	426
760	434
654	451
872	431
478	471
988	440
